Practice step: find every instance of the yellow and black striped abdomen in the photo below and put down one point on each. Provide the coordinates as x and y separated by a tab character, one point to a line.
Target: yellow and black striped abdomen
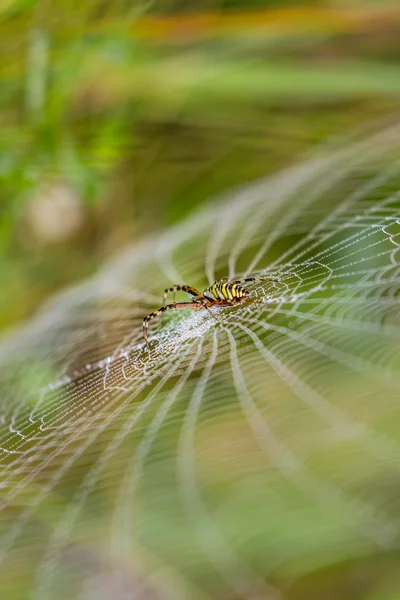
226	291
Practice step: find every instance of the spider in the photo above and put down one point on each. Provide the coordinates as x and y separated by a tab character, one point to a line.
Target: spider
221	293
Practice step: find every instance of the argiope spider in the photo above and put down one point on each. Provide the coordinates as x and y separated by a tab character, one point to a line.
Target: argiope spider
221	293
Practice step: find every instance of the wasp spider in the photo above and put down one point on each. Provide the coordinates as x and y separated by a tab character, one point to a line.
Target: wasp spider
221	293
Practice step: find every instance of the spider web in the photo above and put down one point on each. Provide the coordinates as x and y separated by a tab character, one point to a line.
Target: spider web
236	455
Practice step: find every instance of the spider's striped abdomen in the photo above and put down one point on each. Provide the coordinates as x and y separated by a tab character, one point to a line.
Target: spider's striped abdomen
225	290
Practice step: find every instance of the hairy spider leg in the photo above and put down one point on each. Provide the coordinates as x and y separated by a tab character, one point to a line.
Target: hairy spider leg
206	304
174	306
248	279
177	288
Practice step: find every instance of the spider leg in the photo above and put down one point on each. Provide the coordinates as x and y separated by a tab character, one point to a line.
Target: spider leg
174	306
205	304
177	288
248	279
171	290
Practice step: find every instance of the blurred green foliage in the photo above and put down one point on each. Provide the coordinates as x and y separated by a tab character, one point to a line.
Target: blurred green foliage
126	132
138	129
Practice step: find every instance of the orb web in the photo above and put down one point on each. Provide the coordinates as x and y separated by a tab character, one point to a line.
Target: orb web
233	452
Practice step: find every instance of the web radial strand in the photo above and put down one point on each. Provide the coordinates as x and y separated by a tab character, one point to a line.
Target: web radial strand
234	450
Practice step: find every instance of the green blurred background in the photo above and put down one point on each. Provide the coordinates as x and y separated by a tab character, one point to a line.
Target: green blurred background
117	118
